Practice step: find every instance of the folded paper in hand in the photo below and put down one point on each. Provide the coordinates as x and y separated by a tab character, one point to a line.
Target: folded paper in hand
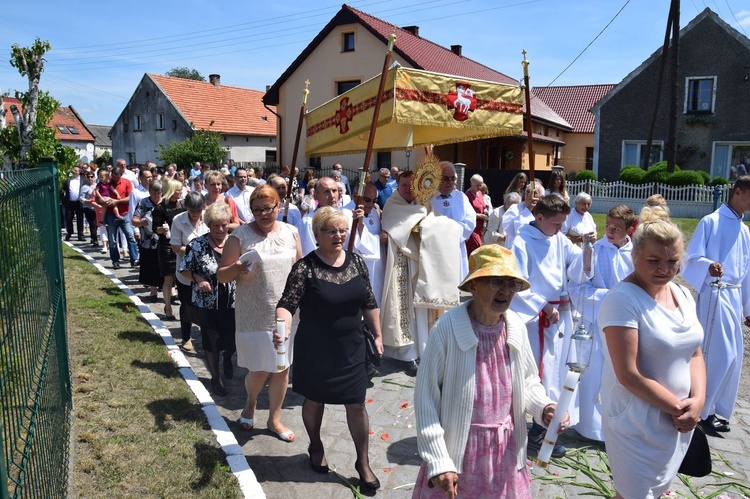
251	256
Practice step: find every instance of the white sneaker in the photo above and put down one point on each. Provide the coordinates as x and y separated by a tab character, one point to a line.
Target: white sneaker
104	250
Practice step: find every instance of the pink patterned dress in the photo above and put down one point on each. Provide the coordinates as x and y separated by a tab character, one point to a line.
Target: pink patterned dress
489	467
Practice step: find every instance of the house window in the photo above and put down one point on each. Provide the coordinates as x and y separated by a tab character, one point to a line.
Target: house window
270	156
731	160
63	129
384	159
315	162
347	42
633	152
345	86
589	158
125	126
131	158
174	124
160	121
73	130
137	125
700	94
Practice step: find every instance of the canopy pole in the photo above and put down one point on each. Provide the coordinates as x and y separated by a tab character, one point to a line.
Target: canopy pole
371	138
529	125
302	108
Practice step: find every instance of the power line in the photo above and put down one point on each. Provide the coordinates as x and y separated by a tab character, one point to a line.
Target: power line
735	17
589	45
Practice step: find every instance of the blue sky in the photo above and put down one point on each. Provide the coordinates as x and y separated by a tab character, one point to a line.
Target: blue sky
100	50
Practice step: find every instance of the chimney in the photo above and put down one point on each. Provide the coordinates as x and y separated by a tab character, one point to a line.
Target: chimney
268	87
215	80
414	30
456	49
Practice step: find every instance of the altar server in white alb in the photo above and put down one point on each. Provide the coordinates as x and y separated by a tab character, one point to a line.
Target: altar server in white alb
720	250
613	262
521	214
455	205
370	241
293	215
546	258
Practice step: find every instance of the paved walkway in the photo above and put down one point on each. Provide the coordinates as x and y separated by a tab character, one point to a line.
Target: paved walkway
283	471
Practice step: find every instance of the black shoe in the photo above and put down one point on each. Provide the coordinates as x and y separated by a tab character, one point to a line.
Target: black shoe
411	367
712	424
95	244
116	265
67	238
228	367
81	239
535	443
135	263
153	298
373	485
317	468
218	389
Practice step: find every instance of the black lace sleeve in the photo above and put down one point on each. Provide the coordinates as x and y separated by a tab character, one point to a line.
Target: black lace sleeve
370	303
295	286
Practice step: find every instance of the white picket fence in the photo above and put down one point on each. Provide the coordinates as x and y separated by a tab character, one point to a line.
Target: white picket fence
693	201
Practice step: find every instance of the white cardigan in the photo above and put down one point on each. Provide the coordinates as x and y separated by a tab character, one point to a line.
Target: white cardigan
444	393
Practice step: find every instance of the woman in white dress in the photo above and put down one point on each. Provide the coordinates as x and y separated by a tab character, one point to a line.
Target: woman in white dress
580	221
654	380
258	291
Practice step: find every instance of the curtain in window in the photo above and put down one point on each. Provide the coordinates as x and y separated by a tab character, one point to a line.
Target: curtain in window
720	168
630	156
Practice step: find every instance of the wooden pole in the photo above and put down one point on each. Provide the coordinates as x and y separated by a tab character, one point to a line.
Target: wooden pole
529	124
673	86
288	200
371	138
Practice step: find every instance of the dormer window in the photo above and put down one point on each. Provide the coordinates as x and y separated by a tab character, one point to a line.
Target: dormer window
63	129
347	42
700	95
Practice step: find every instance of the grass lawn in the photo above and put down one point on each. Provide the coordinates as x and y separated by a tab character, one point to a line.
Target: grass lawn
138	429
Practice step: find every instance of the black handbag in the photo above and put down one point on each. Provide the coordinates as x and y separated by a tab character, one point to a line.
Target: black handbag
372	352
697	460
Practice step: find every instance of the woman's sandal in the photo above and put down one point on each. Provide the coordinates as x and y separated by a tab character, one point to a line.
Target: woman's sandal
284	436
246	423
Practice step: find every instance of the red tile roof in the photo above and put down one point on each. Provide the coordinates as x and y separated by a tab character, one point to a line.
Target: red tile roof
64	116
572	103
231	109
428	55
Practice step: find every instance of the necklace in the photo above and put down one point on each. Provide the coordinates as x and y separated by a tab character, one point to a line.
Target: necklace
216	245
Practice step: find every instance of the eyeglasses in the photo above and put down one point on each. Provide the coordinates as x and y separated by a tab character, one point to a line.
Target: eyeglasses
264	211
90	176
333	232
496	283
446	178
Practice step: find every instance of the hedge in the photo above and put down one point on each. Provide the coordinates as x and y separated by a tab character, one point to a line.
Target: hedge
585	175
685	177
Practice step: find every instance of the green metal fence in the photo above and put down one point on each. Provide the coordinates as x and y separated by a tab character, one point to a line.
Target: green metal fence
35	385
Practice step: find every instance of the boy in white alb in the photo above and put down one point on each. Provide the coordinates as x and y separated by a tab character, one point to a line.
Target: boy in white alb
720	250
545	258
614	262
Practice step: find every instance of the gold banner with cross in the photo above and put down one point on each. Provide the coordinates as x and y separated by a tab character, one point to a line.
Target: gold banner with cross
418	108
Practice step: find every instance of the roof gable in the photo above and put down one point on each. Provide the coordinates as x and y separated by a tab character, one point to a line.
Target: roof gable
419	52
222	108
65	118
573	102
706	16
101	135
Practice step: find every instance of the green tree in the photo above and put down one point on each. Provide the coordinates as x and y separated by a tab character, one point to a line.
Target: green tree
185	72
203	146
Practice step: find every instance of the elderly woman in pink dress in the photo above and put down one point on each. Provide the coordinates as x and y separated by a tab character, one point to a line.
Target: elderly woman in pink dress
476	383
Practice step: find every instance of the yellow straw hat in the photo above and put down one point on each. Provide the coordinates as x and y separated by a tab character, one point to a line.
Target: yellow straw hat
493	260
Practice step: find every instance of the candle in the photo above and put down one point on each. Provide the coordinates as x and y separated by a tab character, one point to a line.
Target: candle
550	438
281	349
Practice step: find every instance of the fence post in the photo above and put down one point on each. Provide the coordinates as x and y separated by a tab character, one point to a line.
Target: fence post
716	197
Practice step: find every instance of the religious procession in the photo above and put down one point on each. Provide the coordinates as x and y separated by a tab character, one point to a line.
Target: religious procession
520	321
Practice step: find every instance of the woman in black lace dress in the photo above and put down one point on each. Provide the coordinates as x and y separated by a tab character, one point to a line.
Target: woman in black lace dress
331	287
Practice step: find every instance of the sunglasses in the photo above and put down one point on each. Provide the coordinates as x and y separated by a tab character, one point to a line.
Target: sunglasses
497	283
368	200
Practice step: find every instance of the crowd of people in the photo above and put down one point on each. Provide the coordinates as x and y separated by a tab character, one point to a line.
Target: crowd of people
478	302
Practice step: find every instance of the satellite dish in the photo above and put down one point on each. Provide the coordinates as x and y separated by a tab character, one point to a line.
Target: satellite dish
90	148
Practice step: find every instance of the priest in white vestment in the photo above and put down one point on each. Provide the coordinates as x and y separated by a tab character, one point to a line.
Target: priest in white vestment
613	262
545	257
495	233
455	205
326	194
421	272
720	249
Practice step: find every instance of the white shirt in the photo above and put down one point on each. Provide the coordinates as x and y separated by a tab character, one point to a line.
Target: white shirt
75	188
242	200
368	246
136	195
293	217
